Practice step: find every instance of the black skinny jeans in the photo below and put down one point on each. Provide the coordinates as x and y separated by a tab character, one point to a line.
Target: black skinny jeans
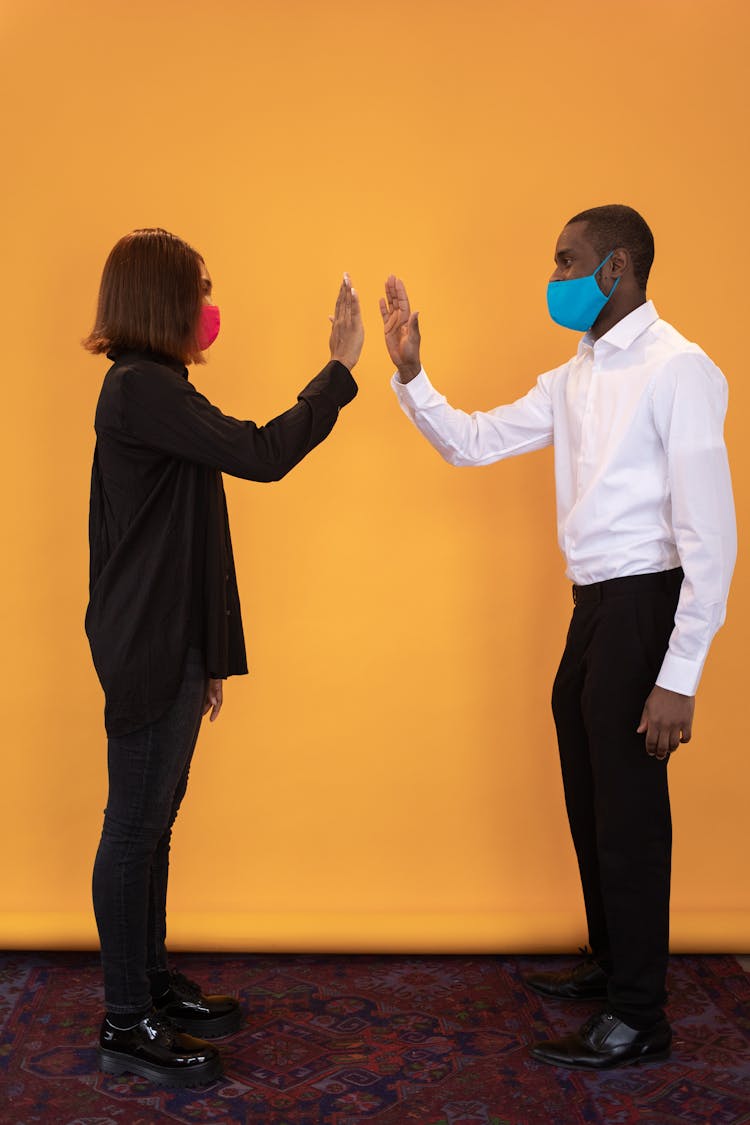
148	774
616	795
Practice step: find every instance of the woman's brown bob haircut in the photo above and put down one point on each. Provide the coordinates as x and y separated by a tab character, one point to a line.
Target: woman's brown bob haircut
150	297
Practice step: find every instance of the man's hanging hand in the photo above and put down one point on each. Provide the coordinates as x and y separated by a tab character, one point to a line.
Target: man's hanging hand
667	720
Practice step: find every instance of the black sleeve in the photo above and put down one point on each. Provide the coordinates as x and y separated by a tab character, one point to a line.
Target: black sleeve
162	410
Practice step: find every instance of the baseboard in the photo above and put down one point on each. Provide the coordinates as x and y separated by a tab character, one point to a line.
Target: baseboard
537	932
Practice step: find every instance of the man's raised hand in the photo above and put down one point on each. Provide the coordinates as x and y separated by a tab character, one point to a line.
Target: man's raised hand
401	328
347	330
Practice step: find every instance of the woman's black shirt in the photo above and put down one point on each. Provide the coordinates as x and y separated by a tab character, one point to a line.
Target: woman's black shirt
162	574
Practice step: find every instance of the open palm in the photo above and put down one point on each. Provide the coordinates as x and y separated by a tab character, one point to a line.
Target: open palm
401	327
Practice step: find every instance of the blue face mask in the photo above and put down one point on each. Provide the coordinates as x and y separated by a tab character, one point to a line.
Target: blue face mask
577	303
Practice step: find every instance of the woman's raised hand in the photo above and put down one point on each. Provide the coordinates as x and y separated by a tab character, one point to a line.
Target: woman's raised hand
347	330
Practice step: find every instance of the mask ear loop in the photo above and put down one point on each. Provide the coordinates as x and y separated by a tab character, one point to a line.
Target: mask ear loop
601	267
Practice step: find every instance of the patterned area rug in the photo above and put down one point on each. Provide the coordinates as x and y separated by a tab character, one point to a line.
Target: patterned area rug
352	1040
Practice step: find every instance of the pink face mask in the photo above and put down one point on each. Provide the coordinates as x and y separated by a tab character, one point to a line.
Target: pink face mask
208	326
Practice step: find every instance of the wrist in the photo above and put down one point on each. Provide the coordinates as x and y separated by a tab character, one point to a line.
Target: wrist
347	361
408	371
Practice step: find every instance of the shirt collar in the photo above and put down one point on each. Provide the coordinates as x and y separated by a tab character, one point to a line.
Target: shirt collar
119	355
622	334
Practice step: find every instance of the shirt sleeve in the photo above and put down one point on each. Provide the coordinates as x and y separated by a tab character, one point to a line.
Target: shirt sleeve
690	402
164	411
484	436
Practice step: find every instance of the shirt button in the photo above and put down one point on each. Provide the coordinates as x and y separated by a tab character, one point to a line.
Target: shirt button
228	611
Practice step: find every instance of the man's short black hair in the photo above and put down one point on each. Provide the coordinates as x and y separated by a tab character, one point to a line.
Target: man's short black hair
616	226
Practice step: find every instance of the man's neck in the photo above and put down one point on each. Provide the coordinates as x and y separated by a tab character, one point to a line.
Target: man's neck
612	315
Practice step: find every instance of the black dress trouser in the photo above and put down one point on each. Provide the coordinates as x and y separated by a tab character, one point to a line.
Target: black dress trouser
616	794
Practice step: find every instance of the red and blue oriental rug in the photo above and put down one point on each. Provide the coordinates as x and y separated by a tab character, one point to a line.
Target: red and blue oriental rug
374	1040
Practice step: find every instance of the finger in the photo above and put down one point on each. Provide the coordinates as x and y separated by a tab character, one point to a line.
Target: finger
391	328
339	301
665	743
356	309
347	297
687	733
643	725
652	739
403	300
398	303
382	304
392	293
391	319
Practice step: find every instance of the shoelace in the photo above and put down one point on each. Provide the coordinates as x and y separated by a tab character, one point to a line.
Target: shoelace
592	1021
185	987
159	1025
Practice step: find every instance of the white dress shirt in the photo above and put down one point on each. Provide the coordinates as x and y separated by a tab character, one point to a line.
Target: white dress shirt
641	471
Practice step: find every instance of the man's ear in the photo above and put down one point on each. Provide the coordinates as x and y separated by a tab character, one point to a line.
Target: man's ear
619	263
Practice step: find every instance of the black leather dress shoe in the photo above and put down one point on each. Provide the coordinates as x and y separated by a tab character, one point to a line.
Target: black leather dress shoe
585	981
155	1049
604	1042
210	1017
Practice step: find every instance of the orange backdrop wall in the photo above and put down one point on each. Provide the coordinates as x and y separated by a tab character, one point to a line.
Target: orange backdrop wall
387	778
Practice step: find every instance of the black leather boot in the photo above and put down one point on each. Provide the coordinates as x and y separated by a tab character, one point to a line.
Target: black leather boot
156	1050
209	1017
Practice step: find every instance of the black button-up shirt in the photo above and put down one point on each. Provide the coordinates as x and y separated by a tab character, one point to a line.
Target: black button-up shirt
162	573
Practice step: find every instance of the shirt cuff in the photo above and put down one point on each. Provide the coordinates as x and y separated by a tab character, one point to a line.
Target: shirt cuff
342	386
417	391
680	675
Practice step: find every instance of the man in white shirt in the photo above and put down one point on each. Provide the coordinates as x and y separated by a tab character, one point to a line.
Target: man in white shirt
646	524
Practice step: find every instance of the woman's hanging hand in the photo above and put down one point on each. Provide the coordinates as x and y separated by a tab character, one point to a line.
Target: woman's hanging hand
214	699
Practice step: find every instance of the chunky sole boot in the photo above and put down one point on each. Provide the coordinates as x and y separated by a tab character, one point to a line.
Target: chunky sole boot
156	1050
208	1017
214	1028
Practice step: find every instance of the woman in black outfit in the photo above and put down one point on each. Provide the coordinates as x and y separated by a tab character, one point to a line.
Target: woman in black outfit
164	618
